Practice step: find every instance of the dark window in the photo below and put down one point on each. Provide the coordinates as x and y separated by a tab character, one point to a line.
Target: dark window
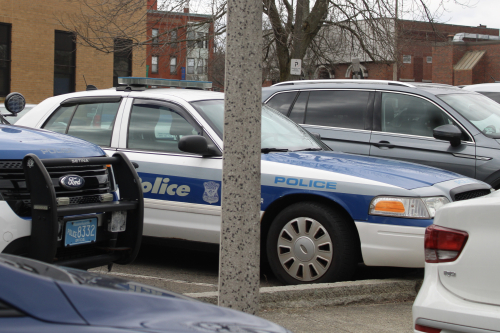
92	122
299	108
122	65
159	128
282	102
337	108
491	94
411	115
191	36
5	32
64	62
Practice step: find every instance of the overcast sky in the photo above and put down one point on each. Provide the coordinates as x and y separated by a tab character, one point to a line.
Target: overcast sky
485	12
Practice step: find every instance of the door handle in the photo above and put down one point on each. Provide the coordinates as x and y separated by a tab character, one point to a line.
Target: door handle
384	144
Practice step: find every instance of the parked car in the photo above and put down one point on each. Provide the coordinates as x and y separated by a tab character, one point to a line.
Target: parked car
460	290
322	212
36	297
432	124
14	118
59	198
491	90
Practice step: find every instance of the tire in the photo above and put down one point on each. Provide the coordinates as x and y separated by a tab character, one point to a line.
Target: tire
310	243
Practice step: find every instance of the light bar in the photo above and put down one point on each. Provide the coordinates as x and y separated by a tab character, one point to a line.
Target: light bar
148	81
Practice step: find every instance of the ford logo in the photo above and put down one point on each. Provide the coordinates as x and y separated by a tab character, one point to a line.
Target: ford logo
72	182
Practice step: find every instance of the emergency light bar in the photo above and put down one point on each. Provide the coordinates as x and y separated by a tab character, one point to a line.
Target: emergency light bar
148	81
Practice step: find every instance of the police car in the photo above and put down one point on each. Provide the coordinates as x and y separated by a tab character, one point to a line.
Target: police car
322	212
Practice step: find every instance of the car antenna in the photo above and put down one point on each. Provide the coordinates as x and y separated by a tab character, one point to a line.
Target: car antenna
89	86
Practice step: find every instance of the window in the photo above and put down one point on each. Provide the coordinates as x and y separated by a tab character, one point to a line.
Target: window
299	108
201	38
8	311
154	36
338	108
411	115
200	67
429	60
64	62
173	38
122	65
93	122
407	59
5	33
157	127
173	65
190	66
205	66
191	36
154	64
282	102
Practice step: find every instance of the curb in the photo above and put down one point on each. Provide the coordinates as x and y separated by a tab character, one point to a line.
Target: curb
328	294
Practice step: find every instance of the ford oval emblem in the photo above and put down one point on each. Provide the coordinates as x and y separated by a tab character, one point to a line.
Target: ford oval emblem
72	182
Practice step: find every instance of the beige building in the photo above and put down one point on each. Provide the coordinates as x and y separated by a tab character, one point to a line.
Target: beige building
40	58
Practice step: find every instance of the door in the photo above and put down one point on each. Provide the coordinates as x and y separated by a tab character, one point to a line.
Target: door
181	190
403	125
341	117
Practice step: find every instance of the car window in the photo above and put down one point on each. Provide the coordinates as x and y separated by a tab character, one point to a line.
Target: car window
492	94
282	101
411	115
59	121
8	311
481	111
299	108
337	108
157	127
92	122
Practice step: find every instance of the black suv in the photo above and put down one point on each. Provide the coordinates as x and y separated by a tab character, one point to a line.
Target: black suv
433	124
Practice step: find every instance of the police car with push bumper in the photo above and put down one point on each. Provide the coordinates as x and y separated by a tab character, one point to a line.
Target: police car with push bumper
58	199
322	211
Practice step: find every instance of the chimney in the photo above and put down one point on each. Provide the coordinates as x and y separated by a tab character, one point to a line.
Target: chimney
186	9
152	4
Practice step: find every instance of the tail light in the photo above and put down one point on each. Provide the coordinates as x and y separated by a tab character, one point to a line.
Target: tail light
443	244
426	329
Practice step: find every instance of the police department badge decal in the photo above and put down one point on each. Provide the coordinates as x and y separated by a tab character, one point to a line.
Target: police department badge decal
210	194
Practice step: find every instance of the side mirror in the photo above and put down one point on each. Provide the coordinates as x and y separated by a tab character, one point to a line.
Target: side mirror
15	103
316	135
449	133
197	144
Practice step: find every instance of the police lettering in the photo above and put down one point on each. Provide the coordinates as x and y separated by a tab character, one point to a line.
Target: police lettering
298	182
162	186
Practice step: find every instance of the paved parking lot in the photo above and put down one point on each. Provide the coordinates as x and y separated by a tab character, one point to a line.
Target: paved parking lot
190	271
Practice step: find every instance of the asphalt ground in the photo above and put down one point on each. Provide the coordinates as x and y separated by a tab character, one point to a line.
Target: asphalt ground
195	273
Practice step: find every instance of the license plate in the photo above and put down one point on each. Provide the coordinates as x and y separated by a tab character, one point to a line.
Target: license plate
80	232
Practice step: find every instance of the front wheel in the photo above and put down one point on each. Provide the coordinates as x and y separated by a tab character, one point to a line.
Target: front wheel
311	243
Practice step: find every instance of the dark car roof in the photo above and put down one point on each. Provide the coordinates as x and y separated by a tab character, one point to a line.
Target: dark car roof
424	89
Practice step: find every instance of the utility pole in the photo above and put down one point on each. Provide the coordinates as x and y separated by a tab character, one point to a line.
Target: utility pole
396	50
240	227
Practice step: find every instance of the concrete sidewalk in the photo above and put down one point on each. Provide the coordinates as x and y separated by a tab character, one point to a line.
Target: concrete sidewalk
354	306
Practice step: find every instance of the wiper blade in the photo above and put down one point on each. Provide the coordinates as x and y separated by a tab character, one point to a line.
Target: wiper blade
309	149
268	150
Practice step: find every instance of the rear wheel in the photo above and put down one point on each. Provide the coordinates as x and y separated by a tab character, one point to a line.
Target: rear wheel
311	243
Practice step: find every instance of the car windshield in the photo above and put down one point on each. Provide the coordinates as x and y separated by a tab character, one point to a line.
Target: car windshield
278	132
481	111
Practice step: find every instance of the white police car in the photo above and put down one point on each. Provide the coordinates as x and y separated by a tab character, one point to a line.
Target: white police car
322	211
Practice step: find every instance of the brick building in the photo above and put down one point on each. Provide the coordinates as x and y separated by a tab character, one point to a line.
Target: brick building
428	54
39	58
180	47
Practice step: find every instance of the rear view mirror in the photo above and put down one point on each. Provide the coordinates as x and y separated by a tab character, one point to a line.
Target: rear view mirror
197	144
15	103
449	133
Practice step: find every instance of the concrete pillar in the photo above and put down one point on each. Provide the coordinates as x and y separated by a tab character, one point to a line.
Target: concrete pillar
240	228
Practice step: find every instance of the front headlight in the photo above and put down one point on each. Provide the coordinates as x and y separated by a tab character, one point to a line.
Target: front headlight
414	208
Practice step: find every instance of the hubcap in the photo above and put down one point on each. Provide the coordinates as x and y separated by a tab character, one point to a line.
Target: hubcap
305	249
